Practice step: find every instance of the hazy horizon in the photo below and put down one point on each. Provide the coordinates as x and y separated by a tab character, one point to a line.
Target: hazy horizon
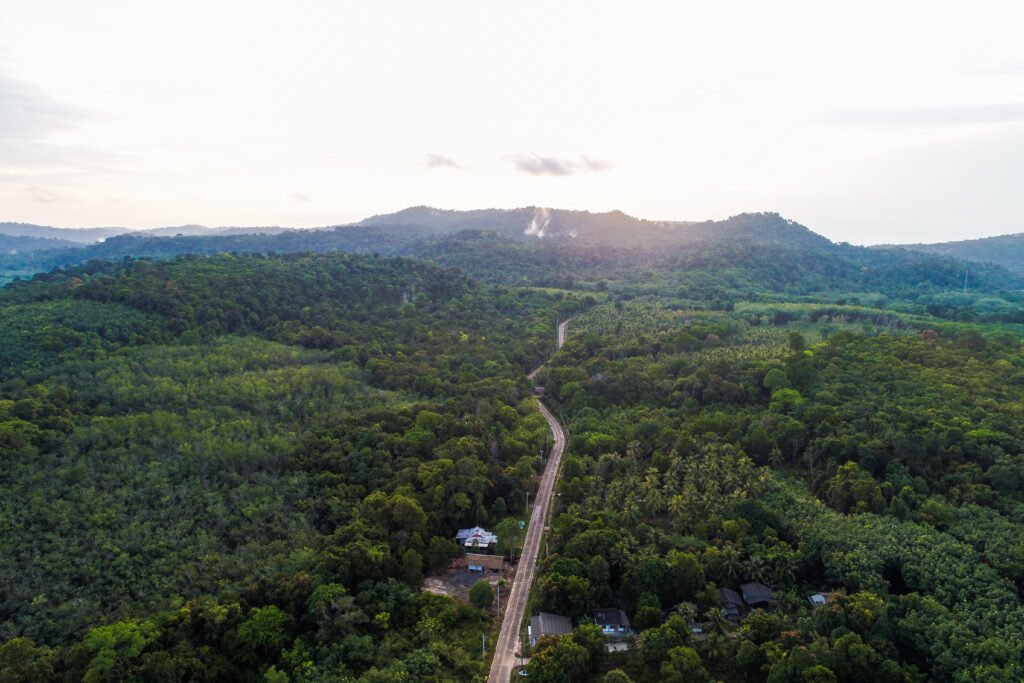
340	224
891	124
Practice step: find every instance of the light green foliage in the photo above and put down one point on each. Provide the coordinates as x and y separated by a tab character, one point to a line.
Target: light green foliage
482	594
115	650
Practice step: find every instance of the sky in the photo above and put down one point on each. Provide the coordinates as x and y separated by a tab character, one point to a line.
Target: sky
869	122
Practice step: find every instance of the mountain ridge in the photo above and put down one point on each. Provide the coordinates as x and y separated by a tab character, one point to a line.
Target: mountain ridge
1001	250
558	247
614	227
87	236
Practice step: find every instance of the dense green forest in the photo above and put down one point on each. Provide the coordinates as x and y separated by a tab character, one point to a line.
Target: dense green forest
215	468
238	457
878	460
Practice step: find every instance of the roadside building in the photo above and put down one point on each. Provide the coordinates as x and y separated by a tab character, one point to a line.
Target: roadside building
547	624
476	538
475	562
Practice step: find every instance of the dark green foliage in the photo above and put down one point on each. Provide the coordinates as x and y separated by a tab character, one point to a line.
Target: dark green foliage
22	661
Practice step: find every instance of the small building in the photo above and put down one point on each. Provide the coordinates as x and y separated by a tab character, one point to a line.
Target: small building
696	628
757	595
732	604
547	624
613	622
476	538
478	563
818	599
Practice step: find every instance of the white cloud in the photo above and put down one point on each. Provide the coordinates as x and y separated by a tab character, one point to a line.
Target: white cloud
439	161
534	164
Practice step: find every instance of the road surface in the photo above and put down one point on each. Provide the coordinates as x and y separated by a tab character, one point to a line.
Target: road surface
504	660
563	329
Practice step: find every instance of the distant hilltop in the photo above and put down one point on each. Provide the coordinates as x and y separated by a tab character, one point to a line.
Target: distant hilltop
613	227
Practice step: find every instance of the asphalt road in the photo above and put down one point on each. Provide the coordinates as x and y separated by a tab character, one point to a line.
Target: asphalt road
504	660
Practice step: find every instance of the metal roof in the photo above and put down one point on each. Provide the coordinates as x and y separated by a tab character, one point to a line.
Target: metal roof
611	617
755	592
547	624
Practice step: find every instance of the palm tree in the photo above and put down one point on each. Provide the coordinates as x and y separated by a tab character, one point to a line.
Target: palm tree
654	500
758	569
634	450
784	567
717	647
731	563
717	621
631	514
679	509
688	611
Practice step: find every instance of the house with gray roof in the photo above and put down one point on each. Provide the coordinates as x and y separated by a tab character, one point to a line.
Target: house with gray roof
757	595
547	624
476	538
613	622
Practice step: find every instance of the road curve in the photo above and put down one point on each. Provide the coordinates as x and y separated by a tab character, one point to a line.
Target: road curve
503	663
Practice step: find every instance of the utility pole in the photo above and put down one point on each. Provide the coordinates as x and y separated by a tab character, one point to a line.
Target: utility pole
483	646
497	612
966	272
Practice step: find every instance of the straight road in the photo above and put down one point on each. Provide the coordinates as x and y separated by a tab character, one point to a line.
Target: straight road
504	661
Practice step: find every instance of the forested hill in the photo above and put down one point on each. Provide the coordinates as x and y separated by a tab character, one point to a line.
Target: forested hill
1004	250
388	241
78	235
313	301
614	227
86	236
747	257
15	244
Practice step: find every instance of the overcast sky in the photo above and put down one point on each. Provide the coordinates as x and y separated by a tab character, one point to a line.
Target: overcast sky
878	122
